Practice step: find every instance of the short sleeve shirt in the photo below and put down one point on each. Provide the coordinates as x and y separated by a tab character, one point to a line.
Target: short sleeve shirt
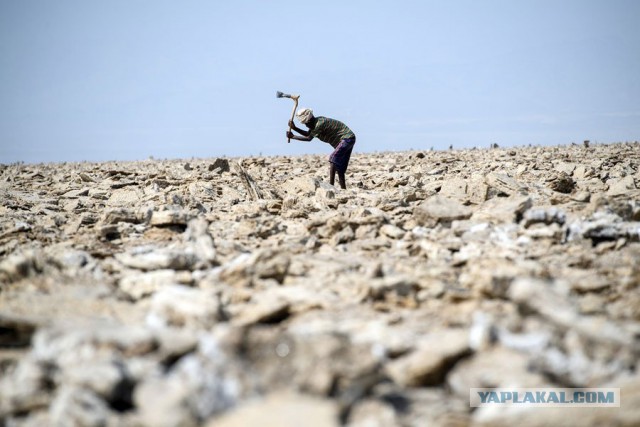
330	131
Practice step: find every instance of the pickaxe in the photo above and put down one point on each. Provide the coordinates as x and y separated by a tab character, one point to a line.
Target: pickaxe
295	106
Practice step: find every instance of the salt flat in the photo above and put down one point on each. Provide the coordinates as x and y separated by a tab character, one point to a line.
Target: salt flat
206	291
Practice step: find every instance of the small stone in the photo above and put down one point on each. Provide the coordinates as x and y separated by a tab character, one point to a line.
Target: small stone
245	269
455	189
592	304
303	186
582	196
149	258
78	407
16	331
429	363
439	209
184	307
494	367
505	184
140	285
372	413
392	231
222	165
622	186
20	265
502	210
562	183
169	217
265	310
282	410
116	215
545	216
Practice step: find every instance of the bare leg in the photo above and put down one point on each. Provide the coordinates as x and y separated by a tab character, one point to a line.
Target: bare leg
332	177
332	173
343	184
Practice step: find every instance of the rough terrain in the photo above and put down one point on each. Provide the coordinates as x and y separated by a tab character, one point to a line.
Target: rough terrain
225	292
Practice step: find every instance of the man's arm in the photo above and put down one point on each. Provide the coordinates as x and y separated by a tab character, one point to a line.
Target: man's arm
299	138
297	129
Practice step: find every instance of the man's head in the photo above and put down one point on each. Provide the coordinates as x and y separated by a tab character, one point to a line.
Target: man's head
305	115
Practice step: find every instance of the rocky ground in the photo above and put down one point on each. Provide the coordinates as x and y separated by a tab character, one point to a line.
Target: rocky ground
227	292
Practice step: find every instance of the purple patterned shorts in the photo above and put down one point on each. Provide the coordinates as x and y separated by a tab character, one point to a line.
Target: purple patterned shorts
342	153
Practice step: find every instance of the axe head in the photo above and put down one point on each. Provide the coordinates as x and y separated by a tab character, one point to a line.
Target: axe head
286	95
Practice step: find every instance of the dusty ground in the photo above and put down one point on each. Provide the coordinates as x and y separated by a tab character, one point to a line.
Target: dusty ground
230	291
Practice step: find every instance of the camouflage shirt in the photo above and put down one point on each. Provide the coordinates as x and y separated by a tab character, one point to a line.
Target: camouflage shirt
330	131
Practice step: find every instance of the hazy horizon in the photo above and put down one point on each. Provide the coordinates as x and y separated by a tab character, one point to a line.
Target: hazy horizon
321	155
97	81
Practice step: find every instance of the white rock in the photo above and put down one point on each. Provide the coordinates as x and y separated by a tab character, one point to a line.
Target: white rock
140	285
282	410
184	307
429	362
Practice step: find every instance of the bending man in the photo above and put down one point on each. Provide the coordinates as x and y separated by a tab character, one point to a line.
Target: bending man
334	133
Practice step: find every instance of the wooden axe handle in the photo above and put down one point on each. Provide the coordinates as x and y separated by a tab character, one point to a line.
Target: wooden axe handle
293	114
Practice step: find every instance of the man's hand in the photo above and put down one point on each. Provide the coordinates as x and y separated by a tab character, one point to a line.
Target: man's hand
289	134
291	124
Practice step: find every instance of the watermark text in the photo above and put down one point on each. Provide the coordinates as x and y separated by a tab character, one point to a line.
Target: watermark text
545	397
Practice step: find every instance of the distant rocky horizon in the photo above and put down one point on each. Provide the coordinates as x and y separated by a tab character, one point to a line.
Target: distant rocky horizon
320	152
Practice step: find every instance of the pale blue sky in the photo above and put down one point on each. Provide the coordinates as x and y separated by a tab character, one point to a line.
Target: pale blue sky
125	80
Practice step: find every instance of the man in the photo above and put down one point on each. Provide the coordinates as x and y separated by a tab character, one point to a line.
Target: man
334	133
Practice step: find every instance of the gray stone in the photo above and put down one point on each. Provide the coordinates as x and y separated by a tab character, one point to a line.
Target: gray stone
621	186
60	344
430	362
283	410
546	300
77	407
496	367
16	331
505	184
103	379
477	190
116	215
201	385
20	265
169	217
564	167
392	289
582	196
150	258
440	210
545	216
198	237
220	165
140	285
21	391
494	277
372	413
562	183
392	231
269	309
125	197
583	172
454	189
70	259
502	210
184	307
245	269
302	186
